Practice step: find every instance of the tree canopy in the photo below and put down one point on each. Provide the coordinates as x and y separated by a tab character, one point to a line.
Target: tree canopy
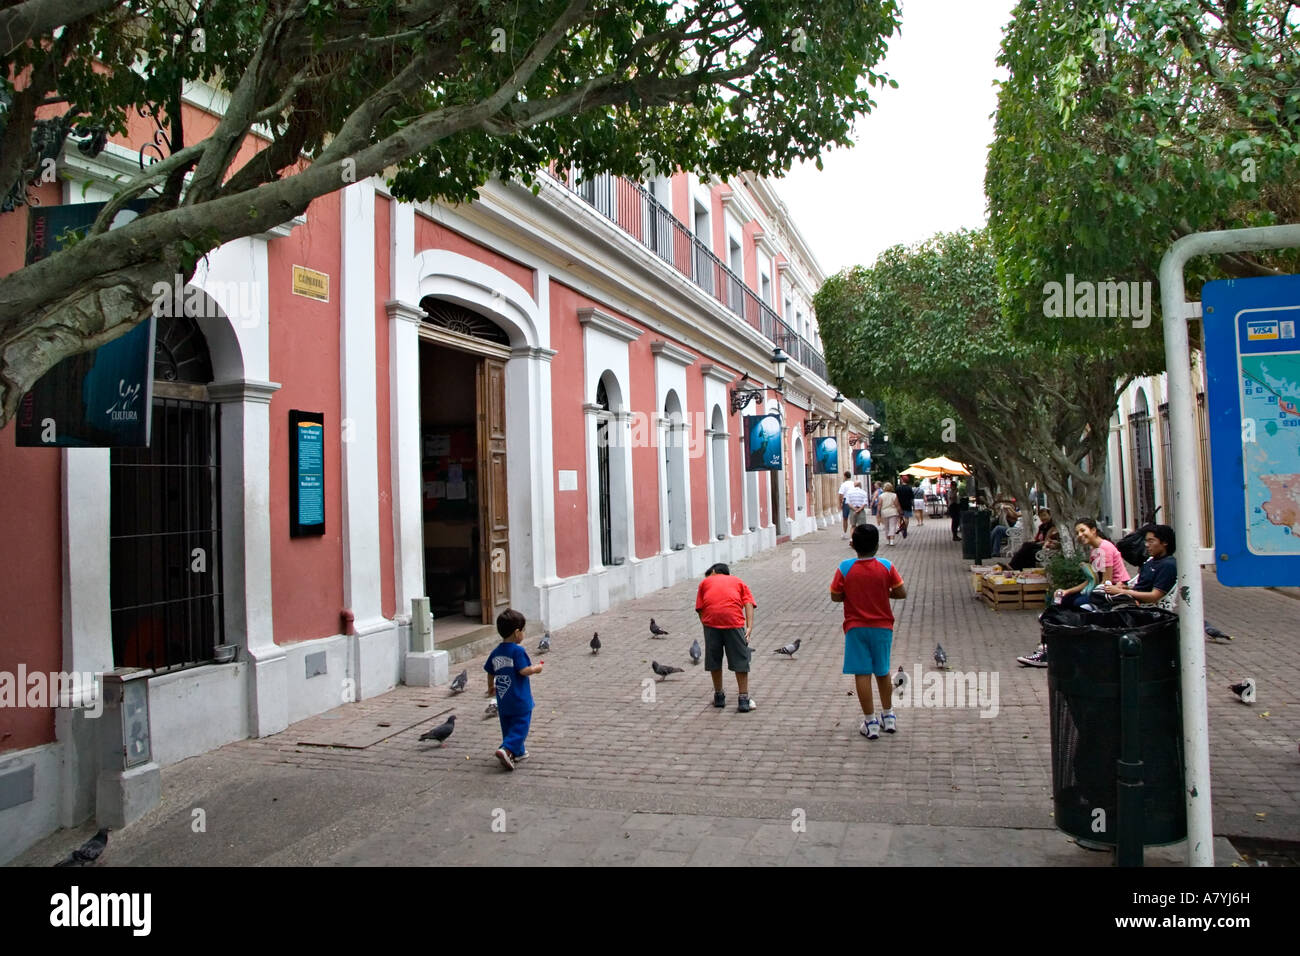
335	91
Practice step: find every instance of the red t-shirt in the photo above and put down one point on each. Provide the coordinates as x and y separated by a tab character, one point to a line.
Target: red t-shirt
865	584
721	600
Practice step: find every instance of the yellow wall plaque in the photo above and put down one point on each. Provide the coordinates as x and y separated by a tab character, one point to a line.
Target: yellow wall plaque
312	284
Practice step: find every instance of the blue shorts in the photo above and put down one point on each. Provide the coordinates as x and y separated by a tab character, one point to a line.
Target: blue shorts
866	650
844	509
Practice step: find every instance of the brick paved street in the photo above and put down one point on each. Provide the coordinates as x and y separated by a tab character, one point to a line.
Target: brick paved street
676	780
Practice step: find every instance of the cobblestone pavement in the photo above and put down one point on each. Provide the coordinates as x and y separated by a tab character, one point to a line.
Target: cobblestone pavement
615	777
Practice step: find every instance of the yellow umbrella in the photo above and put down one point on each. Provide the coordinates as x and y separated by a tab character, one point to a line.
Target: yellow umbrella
942	465
917	471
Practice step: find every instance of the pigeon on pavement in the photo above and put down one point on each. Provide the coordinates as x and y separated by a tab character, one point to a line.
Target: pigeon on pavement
940	658
442	731
545	645
789	649
491	708
663	670
1245	690
459	683
88	852
1214	634
656	630
595	643
696	653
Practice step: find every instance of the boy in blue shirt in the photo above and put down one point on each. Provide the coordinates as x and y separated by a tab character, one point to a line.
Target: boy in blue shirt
508	669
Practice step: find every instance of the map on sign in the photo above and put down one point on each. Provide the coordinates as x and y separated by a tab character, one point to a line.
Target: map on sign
1253	366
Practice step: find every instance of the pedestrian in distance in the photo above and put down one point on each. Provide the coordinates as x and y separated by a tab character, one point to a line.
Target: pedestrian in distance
726	609
845	487
857	500
906	501
956	504
889	512
509	669
864	585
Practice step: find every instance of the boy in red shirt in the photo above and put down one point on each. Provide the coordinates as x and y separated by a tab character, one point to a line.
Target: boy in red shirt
864	586
726	609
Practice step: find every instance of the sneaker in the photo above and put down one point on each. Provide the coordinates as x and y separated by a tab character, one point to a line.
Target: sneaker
523	756
890	722
1036	659
719	699
746	705
844	537
870	728
506	759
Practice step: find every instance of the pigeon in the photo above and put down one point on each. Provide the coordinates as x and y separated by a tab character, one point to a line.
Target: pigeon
789	649
1245	690
901	679
460	681
696	653
663	670
1214	634
442	731
545	645
88	852
595	643
491	708
940	658
656	630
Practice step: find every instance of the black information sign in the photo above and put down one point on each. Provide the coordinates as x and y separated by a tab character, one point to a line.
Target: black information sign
306	473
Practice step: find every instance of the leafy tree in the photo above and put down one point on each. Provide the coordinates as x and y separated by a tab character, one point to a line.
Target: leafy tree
334	91
1123	126
925	325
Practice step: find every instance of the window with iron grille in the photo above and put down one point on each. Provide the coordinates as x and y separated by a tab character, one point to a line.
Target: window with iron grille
1144	503
165	587
1167	515
602	469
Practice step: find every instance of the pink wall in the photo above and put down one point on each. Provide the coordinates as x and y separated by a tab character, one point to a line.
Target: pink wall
681	197
431	235
569	439
750	251
645	455
306	573
699	463
719	218
31	570
383	267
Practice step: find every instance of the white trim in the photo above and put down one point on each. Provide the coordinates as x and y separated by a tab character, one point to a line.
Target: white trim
673	353
611	326
717	373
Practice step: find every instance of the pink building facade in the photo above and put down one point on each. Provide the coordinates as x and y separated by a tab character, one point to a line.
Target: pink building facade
526	401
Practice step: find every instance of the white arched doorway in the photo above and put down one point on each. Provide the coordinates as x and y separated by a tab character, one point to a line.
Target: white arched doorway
800	479
611	466
675	471
721	477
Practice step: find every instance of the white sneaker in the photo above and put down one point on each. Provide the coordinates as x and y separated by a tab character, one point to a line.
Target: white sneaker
870	728
890	722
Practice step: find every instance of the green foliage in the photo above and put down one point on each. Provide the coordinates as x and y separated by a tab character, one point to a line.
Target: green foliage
1064	571
1122	126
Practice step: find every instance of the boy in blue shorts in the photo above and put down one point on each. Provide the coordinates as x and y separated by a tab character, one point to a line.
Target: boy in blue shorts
864	586
508	669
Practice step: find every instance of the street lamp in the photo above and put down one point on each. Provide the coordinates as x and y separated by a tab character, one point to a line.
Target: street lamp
779	358
839	403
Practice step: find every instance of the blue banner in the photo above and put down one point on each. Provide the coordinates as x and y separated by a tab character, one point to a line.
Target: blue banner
827	456
762	442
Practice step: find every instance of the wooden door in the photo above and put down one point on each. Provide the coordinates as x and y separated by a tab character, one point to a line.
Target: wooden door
494	520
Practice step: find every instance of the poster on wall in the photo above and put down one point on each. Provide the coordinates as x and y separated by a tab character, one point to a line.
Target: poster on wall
98	399
862	461
826	456
306	473
762	442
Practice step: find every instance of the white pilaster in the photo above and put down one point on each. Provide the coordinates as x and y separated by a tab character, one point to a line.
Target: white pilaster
404	429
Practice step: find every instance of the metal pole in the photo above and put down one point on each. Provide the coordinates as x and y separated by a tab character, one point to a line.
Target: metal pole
1129	807
1187	511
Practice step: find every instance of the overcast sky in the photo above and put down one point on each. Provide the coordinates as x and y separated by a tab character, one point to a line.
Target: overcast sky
918	164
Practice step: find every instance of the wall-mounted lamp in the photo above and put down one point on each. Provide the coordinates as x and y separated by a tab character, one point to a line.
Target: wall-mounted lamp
742	395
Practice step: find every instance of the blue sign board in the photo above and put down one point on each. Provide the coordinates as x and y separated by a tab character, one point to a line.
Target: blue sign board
827	456
306	473
1253	398
762	442
862	461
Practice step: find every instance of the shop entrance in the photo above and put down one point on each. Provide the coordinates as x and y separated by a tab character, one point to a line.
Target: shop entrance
463	465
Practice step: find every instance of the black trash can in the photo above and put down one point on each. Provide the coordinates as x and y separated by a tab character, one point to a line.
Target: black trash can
1088	715
976	526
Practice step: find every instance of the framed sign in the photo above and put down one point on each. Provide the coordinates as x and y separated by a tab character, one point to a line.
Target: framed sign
762	442
306	473
862	461
1253	405
97	399
826	456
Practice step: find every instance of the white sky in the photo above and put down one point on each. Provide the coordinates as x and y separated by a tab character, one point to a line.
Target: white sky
918	164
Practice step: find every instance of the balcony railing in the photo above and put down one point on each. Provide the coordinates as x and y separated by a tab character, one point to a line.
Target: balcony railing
634	210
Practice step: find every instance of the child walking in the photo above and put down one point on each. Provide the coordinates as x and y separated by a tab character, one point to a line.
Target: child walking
508	669
864	586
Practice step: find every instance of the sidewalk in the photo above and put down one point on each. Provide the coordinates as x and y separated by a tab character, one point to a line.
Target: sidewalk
617	779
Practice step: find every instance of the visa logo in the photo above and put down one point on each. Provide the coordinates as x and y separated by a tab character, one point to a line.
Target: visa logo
1257	331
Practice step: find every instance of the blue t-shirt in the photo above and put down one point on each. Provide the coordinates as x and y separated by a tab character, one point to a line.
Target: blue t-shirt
514	696
1158	574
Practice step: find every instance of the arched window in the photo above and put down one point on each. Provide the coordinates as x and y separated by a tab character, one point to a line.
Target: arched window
675	472
165	588
721	478
1144	498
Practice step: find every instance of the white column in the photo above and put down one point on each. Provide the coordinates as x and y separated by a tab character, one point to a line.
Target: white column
623	422
246	546
360	448
683	449
531	478
664	434
404	429
710	485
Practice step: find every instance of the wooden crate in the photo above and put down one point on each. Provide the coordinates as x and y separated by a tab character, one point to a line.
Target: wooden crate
1001	597
1033	594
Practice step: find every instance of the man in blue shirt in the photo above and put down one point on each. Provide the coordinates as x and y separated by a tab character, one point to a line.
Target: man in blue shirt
508	669
1158	574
